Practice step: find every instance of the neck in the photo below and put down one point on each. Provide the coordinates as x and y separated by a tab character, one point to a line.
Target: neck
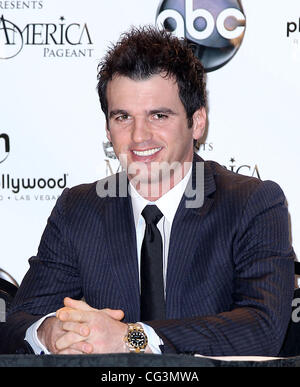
153	190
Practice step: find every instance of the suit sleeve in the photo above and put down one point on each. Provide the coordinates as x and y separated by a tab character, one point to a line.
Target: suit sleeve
263	288
53	275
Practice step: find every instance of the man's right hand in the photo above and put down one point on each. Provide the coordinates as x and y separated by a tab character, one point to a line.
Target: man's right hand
51	330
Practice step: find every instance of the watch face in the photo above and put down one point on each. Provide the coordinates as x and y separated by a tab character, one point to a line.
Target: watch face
137	339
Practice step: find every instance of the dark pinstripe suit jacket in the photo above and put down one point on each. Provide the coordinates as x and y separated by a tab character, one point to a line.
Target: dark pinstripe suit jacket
230	266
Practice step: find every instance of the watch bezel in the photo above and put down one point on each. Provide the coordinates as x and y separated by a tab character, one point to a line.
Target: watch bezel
133	329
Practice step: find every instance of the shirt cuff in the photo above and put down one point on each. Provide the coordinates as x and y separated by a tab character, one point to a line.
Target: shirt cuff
32	338
154	341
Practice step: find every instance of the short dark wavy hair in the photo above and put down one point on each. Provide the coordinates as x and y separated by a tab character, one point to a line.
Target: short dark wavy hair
146	51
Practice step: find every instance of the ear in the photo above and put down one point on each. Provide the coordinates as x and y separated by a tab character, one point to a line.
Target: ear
199	123
107	132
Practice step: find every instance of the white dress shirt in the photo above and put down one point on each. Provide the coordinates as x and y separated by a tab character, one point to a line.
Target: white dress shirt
167	204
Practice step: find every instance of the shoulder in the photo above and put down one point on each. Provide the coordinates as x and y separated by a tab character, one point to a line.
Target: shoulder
234	194
234	185
91	196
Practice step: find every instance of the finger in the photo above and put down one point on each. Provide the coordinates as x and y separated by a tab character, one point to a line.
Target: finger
116	314
83	347
76	304
64	309
69	351
67	314
79	328
67	340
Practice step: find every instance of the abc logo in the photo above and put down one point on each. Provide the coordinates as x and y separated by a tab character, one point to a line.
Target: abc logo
215	28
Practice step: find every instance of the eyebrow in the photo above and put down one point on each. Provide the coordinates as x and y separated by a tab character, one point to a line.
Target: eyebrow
153	111
162	110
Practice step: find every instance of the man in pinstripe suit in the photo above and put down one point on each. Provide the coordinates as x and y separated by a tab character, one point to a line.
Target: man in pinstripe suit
228	263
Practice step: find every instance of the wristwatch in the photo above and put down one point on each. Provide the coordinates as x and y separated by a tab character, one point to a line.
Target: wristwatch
136	339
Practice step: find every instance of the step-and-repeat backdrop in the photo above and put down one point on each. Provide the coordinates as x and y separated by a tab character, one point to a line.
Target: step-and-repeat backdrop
52	131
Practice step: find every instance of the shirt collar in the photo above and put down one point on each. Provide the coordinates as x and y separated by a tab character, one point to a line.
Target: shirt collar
168	203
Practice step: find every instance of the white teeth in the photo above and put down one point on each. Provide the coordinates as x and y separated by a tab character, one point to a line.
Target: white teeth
148	152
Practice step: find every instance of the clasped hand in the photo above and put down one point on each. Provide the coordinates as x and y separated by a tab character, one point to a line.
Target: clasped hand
79	328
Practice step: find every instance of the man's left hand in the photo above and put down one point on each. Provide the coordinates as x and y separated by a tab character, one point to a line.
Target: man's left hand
102	330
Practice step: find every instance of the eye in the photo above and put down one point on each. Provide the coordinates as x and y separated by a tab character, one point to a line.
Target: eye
122	117
160	116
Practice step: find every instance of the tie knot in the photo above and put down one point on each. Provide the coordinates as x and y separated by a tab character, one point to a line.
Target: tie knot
152	214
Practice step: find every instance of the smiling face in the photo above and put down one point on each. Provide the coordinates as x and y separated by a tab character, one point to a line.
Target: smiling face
148	127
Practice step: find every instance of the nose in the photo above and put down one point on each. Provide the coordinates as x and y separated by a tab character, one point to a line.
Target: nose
141	131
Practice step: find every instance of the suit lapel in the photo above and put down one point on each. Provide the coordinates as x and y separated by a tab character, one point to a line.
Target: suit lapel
185	232
121	242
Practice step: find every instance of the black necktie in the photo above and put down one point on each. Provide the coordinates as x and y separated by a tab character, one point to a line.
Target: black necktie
152	283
